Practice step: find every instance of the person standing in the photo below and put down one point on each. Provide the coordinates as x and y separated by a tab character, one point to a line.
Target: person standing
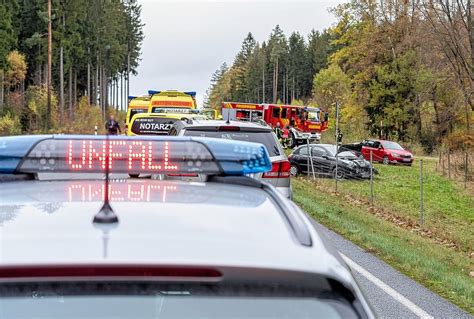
112	126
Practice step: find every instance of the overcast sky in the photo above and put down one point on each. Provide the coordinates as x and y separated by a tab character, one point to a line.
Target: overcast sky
186	41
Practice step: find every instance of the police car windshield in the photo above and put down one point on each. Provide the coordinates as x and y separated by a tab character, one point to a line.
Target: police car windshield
266	138
168	302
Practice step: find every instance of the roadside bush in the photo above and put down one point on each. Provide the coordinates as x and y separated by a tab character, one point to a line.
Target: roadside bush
9	125
86	117
36	117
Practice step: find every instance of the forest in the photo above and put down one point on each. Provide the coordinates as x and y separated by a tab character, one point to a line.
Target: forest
95	48
401	70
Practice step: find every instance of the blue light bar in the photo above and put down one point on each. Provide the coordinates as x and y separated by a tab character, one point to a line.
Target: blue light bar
192	93
130	97
19	154
151	92
239	157
14	148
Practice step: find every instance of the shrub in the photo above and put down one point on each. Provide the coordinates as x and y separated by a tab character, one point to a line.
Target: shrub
9	125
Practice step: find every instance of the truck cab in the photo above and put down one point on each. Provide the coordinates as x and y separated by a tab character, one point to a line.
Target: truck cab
305	123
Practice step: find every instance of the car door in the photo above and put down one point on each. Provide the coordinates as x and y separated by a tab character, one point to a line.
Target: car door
367	147
321	163
378	152
301	157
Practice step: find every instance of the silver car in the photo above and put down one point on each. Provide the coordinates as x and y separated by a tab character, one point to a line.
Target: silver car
76	245
279	176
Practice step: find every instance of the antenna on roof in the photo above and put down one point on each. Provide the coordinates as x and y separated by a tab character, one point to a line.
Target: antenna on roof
106	214
228	118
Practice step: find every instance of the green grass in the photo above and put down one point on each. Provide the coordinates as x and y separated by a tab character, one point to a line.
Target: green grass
448	213
448	208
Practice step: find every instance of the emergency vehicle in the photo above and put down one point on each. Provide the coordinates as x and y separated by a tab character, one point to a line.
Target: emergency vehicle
159	123
163	109
171	99
136	105
304	122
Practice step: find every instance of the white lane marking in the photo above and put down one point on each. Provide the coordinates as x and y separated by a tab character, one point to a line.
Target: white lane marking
386	288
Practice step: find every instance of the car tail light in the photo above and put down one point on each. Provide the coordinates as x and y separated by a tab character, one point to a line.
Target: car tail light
229	128
279	170
183	175
130	271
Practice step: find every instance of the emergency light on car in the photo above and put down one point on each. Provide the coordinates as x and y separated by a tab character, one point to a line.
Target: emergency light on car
165	155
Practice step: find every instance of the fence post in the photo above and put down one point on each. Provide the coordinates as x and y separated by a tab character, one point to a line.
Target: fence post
309	154
466	162
337	142
95	130
311	163
371	179
421	193
449	164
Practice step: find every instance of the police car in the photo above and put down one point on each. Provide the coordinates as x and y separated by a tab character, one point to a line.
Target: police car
79	240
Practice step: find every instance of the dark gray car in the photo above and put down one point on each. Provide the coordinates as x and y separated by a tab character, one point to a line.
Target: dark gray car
323	160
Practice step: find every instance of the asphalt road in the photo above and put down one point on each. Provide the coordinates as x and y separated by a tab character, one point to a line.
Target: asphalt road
390	293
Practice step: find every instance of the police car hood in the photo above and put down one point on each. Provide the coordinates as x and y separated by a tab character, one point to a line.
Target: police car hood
160	223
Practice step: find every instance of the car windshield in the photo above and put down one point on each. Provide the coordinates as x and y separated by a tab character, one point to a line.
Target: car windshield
342	152
167	302
392	146
136	111
347	154
266	138
313	116
174	110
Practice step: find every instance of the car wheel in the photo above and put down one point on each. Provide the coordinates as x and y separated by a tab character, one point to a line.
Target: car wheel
340	174
385	160
294	170
134	175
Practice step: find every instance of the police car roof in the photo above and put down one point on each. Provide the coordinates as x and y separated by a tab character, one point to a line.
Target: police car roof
217	124
174	223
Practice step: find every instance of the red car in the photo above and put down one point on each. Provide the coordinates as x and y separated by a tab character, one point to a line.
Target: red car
387	152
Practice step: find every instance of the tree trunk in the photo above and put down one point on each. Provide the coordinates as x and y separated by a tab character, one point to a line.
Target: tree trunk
275	92
88	90
273	85
128	76
50	65
263	83
61	84
284	90
105	90
1	89
117	94
75	91
121	92
97	81
70	93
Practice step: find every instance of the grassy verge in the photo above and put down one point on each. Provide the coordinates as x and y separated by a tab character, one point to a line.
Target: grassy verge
443	268
448	208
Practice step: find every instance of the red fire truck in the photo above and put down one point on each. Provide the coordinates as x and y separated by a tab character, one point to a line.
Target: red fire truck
304	122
